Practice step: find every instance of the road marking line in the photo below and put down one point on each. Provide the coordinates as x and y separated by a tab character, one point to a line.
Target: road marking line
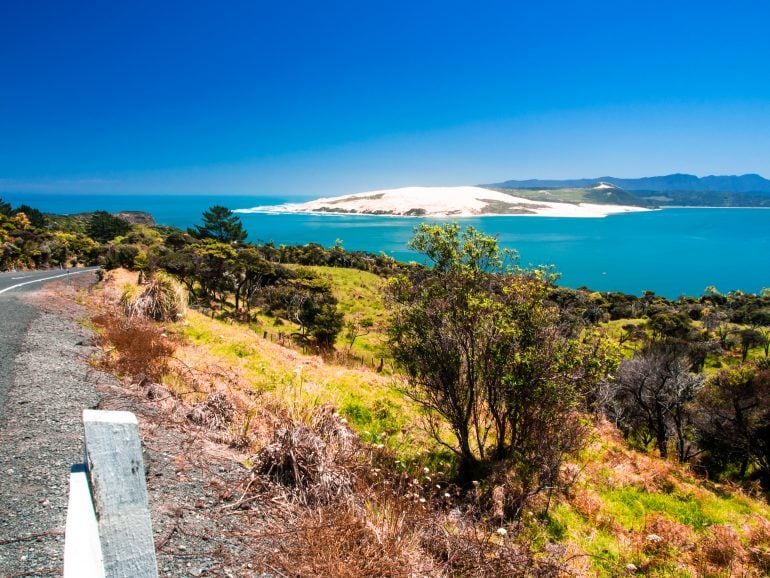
47	279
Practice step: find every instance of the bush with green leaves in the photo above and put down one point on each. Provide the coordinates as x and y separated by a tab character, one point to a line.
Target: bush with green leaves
486	355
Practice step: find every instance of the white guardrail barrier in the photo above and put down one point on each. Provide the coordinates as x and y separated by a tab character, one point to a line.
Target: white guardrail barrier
109	532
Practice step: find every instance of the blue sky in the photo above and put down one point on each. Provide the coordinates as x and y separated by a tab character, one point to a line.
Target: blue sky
321	98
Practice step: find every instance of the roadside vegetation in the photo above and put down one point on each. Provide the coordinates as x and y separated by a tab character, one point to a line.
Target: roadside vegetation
467	417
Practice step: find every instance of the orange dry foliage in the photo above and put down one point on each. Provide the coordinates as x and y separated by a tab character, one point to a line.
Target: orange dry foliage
139	346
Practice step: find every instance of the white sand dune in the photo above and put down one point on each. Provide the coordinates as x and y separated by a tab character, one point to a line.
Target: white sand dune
444	202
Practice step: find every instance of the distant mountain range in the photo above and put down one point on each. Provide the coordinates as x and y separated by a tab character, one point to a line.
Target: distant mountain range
749	190
751	183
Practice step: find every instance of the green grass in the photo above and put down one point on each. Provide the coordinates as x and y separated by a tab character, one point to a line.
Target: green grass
614	331
564	524
364	398
575	195
360	296
629	506
264	373
377	421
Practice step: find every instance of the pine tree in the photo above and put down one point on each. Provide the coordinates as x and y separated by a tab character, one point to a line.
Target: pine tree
219	223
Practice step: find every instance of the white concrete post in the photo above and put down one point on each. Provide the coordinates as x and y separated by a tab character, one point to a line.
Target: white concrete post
82	549
116	472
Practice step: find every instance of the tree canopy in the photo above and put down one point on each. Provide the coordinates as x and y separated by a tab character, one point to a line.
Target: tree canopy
221	224
103	227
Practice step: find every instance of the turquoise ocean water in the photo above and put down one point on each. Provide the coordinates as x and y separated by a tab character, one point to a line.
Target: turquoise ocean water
672	252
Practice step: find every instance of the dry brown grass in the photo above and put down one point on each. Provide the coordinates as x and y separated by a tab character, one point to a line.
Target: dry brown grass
759	543
338	541
588	503
134	346
216	412
720	550
477	551
759	532
353	512
672	533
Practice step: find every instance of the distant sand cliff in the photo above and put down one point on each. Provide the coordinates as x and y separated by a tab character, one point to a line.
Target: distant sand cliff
443	202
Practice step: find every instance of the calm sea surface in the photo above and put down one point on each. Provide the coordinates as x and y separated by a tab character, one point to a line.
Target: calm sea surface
672	252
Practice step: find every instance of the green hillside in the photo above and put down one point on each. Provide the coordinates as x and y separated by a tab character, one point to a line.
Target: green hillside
603	194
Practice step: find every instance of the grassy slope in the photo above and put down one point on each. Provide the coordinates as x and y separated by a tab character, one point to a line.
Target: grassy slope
360	297
613	196
625	507
287	377
632	508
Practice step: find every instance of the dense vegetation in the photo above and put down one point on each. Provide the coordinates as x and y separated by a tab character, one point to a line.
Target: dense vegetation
27	242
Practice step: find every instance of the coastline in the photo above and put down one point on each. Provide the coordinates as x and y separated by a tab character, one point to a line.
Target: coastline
443	203
277	210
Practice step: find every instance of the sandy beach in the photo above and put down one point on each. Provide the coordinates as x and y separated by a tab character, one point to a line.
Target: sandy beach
463	201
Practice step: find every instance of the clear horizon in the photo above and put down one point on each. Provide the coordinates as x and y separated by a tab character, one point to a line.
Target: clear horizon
303	100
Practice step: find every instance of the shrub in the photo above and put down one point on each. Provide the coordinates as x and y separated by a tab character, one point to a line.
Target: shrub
140	347
316	462
720	547
486	356
216	412
162	300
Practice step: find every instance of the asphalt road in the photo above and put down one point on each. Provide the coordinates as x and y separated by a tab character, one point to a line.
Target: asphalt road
11	281
15	317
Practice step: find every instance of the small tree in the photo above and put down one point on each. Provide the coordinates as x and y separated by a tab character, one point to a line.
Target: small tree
252	272
221	224
650	398
314	308
734	420
103	227
670	325
749	339
357	327
485	352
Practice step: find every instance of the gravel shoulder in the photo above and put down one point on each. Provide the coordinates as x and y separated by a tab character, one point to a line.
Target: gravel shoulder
41	433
